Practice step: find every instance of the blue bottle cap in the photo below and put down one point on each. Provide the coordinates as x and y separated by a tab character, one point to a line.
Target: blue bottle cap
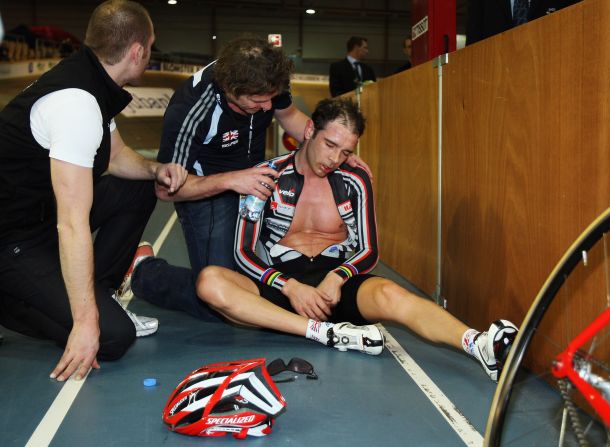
150	382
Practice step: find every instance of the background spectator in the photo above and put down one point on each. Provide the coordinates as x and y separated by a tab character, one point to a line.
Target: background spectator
406	49
348	73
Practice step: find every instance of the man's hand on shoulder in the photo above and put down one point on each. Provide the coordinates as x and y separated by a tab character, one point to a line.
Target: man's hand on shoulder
171	176
307	301
356	162
80	352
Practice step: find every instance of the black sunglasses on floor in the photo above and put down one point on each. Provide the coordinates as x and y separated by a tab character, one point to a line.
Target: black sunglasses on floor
295	364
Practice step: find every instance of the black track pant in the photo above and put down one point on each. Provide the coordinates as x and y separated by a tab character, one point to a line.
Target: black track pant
33	298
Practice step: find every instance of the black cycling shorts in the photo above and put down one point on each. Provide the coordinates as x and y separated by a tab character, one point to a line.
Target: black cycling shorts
311	271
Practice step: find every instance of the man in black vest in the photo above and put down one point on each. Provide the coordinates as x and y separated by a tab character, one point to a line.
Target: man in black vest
57	138
345	75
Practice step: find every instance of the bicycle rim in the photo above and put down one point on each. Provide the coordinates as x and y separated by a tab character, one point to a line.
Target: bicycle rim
528	407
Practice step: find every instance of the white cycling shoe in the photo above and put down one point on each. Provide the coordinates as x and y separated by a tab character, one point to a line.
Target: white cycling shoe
367	339
492	346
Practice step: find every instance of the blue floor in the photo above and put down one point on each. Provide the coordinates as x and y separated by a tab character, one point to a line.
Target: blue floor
357	401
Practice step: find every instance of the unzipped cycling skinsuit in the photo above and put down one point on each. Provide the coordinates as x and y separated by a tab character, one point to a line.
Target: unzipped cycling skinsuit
261	257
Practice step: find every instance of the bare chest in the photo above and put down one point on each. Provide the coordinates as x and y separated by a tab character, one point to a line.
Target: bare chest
316	210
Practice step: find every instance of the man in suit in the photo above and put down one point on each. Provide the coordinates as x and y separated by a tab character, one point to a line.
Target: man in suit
406	49
486	18
348	73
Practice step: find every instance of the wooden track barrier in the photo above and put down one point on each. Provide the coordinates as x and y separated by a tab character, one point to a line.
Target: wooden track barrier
525	162
400	143
526	157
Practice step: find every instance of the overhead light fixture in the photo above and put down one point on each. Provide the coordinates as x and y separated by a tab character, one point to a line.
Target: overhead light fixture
172	2
310	11
214	37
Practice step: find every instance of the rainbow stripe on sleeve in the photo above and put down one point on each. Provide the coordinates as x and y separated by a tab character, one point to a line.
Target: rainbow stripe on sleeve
346	271
269	276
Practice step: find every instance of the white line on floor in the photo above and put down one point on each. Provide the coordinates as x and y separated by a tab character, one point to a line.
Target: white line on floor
48	426
452	415
164	232
56	413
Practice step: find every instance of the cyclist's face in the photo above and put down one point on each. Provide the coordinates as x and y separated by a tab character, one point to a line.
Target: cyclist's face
329	148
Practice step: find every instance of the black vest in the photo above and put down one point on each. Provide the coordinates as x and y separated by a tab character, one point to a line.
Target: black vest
27	203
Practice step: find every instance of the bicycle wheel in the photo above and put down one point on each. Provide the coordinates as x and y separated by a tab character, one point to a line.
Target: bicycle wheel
533	407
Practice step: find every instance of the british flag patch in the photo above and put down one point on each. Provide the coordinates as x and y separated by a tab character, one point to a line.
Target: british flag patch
230	136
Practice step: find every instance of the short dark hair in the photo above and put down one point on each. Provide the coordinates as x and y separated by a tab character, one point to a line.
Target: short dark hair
355	41
114	26
343	110
249	65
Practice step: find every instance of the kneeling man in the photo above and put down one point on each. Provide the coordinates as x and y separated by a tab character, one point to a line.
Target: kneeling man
306	262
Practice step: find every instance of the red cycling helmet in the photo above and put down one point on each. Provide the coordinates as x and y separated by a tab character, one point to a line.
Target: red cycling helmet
227	397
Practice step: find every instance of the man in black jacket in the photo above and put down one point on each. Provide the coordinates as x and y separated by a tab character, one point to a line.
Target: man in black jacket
215	125
486	18
345	75
57	138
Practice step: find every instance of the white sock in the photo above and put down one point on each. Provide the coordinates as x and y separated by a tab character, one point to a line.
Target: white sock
318	330
468	340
